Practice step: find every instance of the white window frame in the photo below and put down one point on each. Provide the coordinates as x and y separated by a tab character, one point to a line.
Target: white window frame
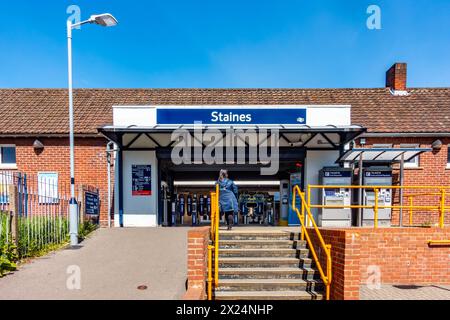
416	160
8	166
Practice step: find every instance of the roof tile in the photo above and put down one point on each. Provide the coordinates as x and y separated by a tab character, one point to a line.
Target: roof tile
44	111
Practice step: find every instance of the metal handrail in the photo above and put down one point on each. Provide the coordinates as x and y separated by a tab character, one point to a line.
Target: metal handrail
440	207
439	242
216	239
326	277
214	230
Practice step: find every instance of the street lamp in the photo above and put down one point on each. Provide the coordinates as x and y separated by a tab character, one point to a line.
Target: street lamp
105	20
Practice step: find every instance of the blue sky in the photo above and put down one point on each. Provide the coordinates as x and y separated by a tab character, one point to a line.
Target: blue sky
226	44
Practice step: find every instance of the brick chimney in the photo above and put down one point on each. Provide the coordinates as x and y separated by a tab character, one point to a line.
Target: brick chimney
396	77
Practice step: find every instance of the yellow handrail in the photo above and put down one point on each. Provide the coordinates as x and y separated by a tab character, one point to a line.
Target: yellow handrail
214	230
216	242
439	242
326	277
209	272
441	208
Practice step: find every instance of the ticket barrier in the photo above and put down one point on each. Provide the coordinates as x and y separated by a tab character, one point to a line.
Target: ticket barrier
256	209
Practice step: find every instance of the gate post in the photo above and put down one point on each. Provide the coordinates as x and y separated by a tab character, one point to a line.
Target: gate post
14	208
80	200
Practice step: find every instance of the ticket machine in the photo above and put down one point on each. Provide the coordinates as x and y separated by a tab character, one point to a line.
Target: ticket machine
377	176
335	217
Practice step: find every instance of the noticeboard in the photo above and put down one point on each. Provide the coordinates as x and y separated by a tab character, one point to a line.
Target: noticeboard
91	203
141	176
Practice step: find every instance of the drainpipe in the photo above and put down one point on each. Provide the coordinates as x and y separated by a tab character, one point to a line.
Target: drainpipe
402	172
109	152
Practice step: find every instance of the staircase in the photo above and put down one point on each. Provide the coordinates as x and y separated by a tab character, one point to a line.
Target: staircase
266	264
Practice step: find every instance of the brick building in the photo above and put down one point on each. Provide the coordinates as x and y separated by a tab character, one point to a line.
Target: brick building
393	116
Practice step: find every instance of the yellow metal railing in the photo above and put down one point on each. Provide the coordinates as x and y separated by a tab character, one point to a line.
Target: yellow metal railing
440	207
326	275
439	242
214	246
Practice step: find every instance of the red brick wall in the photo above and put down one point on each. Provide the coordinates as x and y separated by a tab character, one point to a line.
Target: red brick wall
90	162
345	262
198	239
396	76
402	255
432	171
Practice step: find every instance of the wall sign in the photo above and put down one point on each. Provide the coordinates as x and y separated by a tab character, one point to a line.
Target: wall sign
91	203
212	116
337	174
141	176
378	174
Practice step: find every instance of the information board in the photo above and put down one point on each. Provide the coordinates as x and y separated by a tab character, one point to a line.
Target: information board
141	176
91	203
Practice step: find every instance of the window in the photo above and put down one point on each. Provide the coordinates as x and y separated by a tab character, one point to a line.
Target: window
7	156
414	162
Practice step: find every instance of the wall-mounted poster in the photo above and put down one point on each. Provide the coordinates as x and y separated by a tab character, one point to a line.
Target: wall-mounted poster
48	187
141	176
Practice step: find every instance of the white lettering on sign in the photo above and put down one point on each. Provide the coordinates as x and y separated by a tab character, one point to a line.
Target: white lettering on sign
217	116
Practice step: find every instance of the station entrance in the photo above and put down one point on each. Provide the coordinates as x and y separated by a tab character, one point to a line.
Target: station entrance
186	190
167	162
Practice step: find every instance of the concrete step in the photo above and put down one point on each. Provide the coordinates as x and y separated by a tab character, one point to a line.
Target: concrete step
255	262
269	273
268	295
258	235
305	262
272	252
269	285
282	244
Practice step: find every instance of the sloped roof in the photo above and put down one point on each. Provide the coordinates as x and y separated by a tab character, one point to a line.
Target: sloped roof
45	111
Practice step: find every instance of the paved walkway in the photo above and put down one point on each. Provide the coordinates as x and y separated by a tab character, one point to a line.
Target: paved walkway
113	263
404	292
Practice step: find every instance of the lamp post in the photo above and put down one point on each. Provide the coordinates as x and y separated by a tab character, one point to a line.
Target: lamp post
105	20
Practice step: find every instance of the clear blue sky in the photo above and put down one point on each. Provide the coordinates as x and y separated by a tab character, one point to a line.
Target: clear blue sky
226	43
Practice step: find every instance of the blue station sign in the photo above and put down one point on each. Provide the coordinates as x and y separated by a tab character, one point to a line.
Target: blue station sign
230	116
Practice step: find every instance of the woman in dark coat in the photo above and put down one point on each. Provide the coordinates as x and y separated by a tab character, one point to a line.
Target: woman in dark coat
228	194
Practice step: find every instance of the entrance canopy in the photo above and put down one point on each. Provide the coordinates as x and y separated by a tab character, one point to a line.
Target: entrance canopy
390	155
312	127
160	136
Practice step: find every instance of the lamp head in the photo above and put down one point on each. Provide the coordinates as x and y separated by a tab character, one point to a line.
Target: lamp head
437	145
104	19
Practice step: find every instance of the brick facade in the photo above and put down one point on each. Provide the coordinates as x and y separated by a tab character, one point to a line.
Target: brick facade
402	255
432	171
198	239
90	166
345	262
90	162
